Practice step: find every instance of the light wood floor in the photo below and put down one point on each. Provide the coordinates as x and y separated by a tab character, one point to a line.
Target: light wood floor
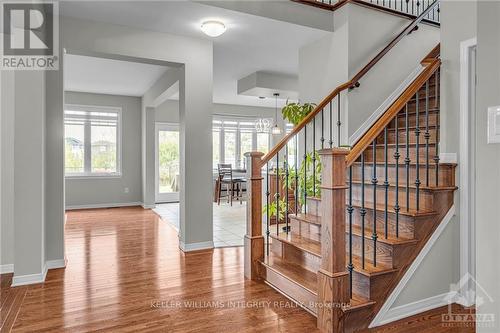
125	273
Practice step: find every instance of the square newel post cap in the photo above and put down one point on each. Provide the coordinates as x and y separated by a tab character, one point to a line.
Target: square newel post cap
254	154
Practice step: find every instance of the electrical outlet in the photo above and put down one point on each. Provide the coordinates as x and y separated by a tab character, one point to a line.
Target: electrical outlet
126	190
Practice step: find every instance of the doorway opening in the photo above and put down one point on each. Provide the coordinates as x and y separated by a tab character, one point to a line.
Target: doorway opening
167	176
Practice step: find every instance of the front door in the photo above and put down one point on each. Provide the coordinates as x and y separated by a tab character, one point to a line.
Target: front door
167	162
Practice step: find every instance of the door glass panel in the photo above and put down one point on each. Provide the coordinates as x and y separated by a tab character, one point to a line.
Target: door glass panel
246	146
168	161
230	148
263	142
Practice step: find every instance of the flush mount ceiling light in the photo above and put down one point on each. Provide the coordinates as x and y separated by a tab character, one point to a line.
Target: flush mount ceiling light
213	28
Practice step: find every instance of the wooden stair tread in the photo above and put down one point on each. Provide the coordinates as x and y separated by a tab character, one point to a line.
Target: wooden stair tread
412	128
412	163
369	269
403	145
391	239
357	302
432	109
390	209
308	218
293	272
412	185
300	242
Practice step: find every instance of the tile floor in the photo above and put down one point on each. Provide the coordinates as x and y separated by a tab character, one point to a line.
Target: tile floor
229	221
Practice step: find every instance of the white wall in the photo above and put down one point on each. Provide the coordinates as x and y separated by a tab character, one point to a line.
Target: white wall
365	41
168	112
488	161
102	191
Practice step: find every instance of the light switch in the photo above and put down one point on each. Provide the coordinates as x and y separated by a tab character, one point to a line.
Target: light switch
494	124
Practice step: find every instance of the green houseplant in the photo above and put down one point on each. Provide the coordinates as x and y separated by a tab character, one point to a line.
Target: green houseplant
307	181
295	112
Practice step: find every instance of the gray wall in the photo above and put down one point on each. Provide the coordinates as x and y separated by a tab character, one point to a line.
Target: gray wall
488	161
7	168
109	191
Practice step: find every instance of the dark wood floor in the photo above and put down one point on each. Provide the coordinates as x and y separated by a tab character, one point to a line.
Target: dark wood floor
125	273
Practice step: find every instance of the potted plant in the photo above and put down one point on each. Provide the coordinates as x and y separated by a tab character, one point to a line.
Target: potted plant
295	112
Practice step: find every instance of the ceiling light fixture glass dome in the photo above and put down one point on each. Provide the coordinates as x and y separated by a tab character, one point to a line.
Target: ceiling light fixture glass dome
213	28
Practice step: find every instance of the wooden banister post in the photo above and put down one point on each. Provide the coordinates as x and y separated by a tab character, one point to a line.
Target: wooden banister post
333	278
254	241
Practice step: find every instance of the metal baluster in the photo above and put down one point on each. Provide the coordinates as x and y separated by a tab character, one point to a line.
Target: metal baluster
438	11
362	210
418	7
285	164
267	207
427	135
396	158
305	169
407	158
314	156
386	186
436	157
331	125
417	153
350	210
374	183
277	193
339	123
296	174
322	139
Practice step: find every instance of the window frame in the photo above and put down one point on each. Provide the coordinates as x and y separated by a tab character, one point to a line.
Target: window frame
222	155
87	142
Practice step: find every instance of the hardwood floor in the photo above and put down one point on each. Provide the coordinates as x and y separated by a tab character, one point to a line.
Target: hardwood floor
125	273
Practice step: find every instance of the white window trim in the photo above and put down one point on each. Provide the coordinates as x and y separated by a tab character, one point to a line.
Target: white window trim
88	174
238	161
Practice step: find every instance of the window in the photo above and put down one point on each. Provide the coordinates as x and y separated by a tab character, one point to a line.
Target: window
92	145
232	137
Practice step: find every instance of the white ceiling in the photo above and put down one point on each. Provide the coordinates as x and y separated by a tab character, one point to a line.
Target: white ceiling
107	76
250	44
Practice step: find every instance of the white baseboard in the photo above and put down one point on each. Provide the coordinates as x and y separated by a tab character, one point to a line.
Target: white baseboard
388	314
152	206
58	263
196	246
384	106
7	268
411	309
107	205
22	280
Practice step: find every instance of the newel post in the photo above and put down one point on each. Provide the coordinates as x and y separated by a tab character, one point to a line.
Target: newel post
333	278
254	241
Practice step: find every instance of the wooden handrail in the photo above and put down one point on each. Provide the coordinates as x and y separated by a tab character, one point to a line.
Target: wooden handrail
354	82
391	113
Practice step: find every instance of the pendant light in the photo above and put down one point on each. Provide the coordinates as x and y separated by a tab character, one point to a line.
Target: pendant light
276	130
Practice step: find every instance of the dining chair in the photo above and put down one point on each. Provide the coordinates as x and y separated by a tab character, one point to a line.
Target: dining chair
225	177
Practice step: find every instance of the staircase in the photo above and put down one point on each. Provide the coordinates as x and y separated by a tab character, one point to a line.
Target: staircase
341	254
